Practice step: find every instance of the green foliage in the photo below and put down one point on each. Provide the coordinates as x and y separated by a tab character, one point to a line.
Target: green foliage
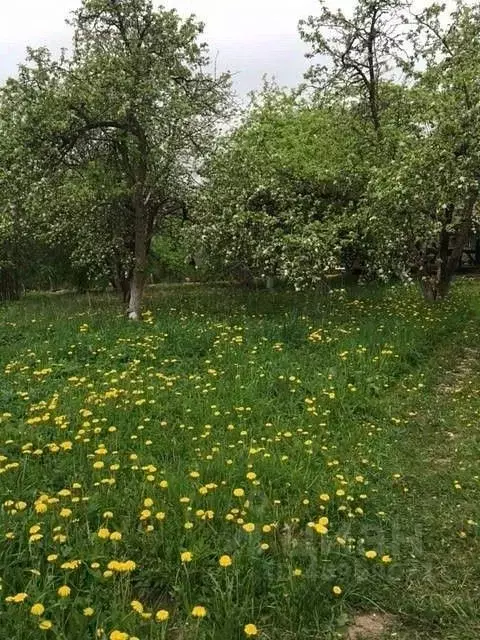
424	202
369	173
278	192
103	146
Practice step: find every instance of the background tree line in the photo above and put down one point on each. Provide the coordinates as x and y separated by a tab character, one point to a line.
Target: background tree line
128	154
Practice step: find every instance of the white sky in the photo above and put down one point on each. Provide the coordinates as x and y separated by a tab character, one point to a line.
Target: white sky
250	37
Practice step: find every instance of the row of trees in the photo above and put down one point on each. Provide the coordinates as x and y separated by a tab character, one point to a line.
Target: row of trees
378	167
373	163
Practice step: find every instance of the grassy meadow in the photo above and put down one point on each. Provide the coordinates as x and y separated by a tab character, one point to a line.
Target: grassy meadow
240	464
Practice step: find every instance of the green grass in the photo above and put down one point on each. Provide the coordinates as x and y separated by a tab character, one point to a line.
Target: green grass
370	397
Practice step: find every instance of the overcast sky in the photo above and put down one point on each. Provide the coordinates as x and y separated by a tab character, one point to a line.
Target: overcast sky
250	37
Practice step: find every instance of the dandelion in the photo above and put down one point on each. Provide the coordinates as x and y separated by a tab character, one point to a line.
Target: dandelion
36	537
238	493
225	561
18	598
37	609
371	555
320	528
121	567
118	635
297	572
186	556
199	612
88	612
337	590
72	564
250	630
137	606
64	591
103	534
45	625
162	615
386	559
248	527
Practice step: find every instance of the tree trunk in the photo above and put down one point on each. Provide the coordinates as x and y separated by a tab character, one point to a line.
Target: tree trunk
434	289
435	286
120	280
10	286
140	267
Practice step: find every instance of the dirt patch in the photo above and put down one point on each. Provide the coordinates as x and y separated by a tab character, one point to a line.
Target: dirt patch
369	626
456	380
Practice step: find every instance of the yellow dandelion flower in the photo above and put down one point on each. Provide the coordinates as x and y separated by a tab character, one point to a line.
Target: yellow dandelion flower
186	556
162	615
37	609
250	630
41	507
198	611
320	528
45	625
225	561
137	606
18	598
